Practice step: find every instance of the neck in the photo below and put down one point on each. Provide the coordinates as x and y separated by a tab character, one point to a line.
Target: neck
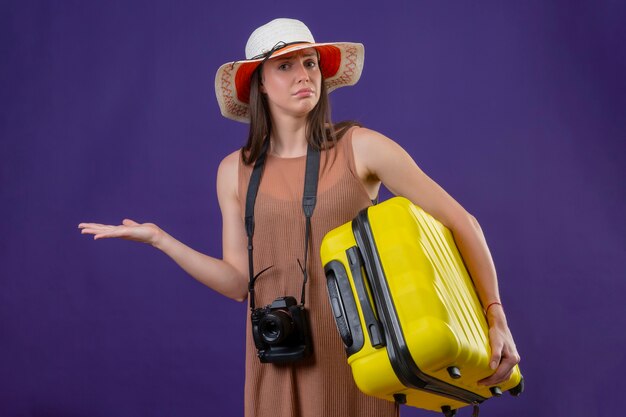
288	139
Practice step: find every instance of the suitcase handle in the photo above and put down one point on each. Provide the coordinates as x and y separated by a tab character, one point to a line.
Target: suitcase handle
343	304
372	324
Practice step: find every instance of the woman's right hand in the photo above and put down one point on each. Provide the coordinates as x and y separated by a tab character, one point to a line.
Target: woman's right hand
129	230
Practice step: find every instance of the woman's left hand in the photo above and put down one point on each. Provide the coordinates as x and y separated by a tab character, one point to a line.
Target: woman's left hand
504	354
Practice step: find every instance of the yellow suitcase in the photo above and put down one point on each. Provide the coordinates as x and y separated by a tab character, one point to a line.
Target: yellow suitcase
407	311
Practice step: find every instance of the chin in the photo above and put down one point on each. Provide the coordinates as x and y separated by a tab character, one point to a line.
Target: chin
302	111
309	106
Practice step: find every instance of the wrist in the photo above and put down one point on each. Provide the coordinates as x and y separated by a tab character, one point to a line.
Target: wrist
494	304
495	315
160	238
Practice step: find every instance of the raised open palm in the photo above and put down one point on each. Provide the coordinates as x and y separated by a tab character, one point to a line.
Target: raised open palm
129	230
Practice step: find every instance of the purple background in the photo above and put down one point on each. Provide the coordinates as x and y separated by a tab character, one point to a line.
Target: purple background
108	111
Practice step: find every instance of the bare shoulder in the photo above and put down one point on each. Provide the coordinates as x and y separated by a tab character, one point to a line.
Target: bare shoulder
362	137
369	143
227	174
230	161
373	150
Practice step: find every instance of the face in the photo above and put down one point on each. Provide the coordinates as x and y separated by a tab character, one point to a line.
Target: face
292	83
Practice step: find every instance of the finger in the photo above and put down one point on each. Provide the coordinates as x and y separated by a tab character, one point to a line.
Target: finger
106	235
91	228
98	234
129	222
496	356
503	373
495	361
496	379
117	231
92	225
105	231
103	236
507	376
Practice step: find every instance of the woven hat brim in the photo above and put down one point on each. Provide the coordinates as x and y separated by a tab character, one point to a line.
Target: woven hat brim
341	64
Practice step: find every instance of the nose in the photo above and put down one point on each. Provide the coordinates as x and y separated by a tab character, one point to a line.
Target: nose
301	72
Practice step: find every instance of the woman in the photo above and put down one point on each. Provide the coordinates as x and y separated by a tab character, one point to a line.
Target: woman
282	89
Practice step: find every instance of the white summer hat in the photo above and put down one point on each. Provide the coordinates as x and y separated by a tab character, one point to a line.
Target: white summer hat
341	63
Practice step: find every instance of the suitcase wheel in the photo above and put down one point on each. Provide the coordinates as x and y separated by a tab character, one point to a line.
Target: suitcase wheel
495	391
454	372
400	398
518	389
448	411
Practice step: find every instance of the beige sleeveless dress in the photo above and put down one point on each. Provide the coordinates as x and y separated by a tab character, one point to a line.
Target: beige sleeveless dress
321	385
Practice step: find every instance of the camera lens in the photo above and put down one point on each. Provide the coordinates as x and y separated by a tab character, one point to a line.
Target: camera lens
275	327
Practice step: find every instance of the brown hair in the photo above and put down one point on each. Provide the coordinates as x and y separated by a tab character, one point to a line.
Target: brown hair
321	133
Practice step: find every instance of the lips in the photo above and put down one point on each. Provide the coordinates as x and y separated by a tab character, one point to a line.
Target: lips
304	92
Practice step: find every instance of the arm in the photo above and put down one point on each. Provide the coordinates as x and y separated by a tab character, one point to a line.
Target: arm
228	276
379	159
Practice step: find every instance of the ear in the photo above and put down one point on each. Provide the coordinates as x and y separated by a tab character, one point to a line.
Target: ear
261	86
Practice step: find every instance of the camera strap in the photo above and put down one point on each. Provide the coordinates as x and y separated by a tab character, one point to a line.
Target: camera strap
309	199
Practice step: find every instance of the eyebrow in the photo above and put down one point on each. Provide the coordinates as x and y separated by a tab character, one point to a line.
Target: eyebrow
292	55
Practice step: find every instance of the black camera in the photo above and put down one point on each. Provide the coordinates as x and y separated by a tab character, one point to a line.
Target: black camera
281	331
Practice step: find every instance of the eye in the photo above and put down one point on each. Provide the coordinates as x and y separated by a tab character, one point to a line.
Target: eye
285	66
311	63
